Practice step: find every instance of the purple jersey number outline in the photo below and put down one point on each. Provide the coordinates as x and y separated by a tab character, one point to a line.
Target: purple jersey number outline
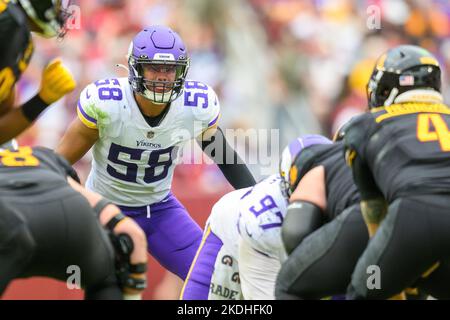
109	92
132	168
195	95
267	204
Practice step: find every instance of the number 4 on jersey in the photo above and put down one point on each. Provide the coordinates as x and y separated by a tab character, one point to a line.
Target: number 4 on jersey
440	133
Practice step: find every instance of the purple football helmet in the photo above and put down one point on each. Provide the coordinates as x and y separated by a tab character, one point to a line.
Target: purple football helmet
157	46
291	152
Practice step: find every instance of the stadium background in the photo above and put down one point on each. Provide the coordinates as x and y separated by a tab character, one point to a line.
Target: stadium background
299	66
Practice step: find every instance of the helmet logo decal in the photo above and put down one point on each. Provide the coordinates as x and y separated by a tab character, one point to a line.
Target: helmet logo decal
164	56
429	60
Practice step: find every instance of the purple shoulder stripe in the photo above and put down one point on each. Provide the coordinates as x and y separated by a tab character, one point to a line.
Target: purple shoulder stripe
85	115
214	121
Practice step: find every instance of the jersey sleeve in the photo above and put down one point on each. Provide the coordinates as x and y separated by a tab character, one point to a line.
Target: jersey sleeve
261	217
355	140
356	135
99	106
87	107
263	234
207	107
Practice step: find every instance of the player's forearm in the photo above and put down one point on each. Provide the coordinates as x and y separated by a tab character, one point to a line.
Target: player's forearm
373	211
7	104
12	124
19	119
228	161
238	175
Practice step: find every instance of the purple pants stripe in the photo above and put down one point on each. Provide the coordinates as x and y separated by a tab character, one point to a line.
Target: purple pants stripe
196	286
173	236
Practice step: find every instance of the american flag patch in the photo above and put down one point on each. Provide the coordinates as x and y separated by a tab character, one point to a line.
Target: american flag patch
406	80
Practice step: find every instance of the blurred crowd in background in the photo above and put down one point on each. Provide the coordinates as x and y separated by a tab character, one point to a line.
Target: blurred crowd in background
299	66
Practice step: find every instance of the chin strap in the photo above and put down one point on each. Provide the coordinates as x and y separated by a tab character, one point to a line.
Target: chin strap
119	65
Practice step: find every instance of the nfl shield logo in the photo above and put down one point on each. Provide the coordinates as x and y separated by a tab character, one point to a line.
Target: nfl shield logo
150	134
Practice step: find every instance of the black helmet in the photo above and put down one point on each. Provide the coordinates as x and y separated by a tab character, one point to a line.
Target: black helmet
402	69
49	15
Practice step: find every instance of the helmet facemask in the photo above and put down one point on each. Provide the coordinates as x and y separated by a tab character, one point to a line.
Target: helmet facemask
158	91
284	172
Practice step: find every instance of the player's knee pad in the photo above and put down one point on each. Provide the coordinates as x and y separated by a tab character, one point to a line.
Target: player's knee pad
302	218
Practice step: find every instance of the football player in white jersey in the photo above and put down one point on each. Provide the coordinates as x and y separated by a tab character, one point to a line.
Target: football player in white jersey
242	250
137	126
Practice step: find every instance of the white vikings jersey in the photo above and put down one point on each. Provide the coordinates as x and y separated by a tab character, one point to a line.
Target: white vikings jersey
248	222
224	218
254	213
223	223
133	163
262	212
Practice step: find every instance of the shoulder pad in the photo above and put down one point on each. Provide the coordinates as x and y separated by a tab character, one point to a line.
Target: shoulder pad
203	102
261	216
99	102
358	131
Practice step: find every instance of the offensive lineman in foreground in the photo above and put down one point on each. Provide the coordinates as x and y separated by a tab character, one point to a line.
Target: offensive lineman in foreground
323	231
48	222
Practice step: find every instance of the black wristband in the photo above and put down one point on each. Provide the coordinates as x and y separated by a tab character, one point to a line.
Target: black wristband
100	206
112	223
33	108
138	268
